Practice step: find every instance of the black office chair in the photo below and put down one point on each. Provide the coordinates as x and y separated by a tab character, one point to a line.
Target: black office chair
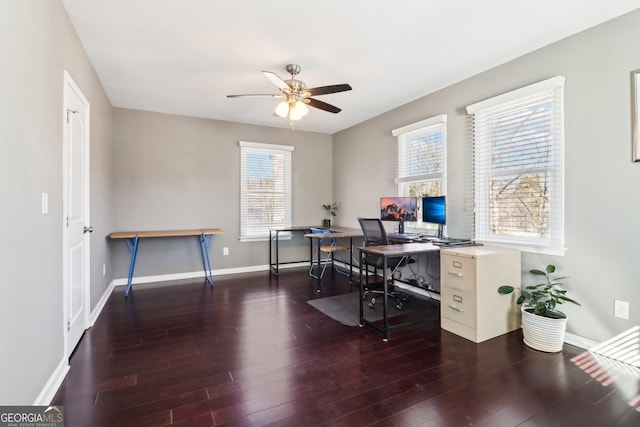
375	235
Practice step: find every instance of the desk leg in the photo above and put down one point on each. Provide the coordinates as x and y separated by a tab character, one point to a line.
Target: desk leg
205	243
277	253
311	250
361	288
350	262
385	275
271	265
315	264
133	250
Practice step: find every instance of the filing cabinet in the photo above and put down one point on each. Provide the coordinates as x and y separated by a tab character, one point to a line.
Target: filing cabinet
470	305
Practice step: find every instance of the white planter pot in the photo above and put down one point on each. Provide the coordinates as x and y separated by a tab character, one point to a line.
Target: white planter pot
543	333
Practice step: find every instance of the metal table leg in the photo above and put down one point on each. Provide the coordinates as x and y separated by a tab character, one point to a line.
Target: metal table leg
385	286
361	286
205	243
133	250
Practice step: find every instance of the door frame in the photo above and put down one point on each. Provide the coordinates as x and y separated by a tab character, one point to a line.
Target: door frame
69	84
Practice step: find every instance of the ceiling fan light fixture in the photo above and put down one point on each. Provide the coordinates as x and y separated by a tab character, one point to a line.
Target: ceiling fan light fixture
298	110
294	110
282	109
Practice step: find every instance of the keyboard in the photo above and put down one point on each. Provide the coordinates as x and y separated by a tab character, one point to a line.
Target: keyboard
449	241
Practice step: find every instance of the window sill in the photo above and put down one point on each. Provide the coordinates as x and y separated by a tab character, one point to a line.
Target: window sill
542	250
265	238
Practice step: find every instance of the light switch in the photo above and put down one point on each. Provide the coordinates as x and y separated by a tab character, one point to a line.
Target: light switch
45	203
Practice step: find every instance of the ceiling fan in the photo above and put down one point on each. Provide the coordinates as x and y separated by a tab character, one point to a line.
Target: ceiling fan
296	94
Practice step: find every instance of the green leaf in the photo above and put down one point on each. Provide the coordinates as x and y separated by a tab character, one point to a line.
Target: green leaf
554	314
538	272
505	289
562	297
551	268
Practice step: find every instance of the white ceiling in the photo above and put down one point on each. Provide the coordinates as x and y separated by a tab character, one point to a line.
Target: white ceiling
184	56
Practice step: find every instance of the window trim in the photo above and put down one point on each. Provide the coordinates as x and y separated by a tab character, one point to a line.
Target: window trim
557	219
422	127
280	149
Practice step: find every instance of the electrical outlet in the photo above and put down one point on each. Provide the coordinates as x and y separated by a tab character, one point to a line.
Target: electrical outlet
621	309
45	203
225	251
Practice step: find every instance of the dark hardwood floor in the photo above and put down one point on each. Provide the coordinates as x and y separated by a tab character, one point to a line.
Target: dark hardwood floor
252	352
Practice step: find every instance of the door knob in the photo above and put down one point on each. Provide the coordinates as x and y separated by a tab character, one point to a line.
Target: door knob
88	229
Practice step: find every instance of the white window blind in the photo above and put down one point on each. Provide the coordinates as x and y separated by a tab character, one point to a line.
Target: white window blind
421	155
265	189
421	158
518	167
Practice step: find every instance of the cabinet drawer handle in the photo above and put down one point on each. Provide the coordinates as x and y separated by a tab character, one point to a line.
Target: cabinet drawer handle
453	307
453	273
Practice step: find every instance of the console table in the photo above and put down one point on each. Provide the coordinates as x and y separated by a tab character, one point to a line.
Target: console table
132	239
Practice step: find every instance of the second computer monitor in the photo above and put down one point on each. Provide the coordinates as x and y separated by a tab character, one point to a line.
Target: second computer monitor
434	211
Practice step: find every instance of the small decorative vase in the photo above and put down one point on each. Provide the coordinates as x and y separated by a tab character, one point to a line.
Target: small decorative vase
326	223
542	333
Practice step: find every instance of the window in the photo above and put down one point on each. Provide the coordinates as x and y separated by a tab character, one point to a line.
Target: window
421	160
518	167
265	189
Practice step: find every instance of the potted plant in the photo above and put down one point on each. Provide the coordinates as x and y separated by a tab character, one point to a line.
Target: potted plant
543	325
331	211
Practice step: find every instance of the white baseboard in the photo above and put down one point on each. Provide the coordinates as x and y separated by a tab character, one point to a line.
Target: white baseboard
200	274
579	341
50	389
100	305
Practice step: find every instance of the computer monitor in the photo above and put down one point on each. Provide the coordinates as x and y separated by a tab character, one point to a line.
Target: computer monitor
434	211
399	209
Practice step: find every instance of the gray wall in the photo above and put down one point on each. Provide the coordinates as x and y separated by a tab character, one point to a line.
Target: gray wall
602	205
38	44
173	172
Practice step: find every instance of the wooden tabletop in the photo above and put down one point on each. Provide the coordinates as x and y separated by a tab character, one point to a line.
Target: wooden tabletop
400	249
292	228
164	233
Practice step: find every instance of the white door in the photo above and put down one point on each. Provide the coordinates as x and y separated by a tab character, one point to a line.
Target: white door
75	214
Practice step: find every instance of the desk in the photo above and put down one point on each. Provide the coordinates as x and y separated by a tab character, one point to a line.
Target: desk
274	235
335	232
388	251
132	238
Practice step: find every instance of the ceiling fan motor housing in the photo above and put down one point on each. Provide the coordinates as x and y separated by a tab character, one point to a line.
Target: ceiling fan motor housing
295	85
292	69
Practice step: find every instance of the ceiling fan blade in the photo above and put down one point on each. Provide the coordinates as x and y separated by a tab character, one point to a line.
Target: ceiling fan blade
322	105
276	80
323	90
257	95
